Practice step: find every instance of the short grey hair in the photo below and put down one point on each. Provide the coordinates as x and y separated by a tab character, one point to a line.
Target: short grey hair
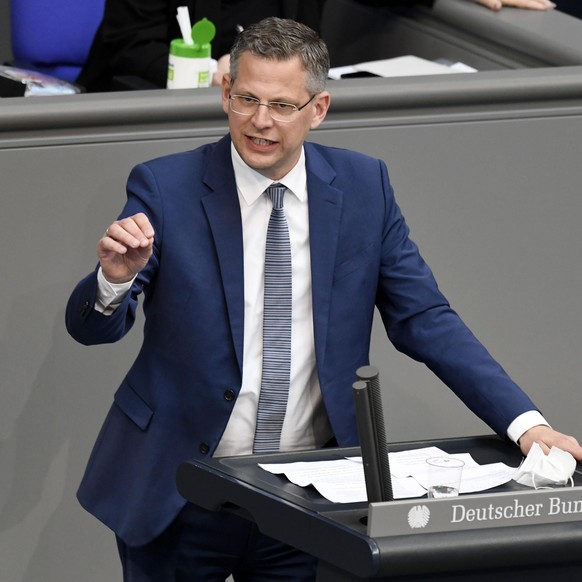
281	39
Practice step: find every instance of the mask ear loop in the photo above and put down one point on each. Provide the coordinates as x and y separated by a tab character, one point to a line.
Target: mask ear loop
565	484
533	479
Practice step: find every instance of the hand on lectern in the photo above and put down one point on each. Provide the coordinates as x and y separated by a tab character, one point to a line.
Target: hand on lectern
547	438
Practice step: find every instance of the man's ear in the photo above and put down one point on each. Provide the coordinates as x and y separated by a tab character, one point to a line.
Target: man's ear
322	102
225	93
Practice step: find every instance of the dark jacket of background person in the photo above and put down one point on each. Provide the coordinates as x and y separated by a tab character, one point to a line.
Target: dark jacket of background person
134	37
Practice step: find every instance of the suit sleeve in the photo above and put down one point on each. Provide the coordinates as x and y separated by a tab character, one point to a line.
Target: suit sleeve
83	322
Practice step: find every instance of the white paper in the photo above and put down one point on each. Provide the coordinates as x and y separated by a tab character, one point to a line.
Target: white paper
405	66
343	481
340	481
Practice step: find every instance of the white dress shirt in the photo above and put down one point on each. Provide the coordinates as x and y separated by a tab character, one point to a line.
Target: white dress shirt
305	424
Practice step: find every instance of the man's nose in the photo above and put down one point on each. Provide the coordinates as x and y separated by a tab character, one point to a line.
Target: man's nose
262	116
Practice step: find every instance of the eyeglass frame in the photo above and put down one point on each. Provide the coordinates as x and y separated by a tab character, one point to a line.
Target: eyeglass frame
268	105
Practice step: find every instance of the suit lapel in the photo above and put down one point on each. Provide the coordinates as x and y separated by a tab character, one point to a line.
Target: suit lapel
325	207
223	213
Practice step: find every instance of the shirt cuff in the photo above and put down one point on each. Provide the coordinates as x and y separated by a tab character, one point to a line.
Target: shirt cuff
523	423
110	295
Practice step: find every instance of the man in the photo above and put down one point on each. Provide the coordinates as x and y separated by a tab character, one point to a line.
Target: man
192	237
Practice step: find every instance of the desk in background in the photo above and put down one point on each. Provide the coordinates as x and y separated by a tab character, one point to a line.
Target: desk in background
453	30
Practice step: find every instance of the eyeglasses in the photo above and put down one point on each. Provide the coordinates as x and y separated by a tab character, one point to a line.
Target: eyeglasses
284	112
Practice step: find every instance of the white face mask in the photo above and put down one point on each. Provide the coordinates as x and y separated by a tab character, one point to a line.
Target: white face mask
539	470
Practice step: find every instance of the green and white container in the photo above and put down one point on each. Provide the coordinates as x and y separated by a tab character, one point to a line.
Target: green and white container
190	65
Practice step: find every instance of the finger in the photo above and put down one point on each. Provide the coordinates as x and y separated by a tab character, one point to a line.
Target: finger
565	443
108	245
144	224
491	4
131	232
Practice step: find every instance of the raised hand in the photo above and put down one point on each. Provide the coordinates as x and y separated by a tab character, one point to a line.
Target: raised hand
126	248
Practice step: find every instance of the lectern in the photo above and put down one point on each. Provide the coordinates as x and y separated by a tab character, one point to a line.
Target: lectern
510	533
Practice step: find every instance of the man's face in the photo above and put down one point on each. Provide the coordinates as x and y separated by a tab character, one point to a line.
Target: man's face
272	147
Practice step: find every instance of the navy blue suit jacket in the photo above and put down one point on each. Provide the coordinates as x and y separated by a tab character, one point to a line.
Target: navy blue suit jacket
176	399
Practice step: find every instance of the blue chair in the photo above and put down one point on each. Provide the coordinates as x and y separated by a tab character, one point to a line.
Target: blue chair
54	36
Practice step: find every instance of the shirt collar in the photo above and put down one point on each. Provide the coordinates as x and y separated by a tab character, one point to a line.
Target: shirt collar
251	184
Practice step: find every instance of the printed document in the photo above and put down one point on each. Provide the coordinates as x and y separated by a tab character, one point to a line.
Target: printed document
342	480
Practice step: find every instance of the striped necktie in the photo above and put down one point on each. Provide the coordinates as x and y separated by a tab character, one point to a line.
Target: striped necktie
276	328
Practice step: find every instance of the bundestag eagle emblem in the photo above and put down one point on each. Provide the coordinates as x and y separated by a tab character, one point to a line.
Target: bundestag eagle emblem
418	516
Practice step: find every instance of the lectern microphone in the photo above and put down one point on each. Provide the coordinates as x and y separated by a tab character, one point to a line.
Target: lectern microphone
372	433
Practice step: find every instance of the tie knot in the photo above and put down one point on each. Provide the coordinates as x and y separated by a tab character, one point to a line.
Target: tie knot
276	193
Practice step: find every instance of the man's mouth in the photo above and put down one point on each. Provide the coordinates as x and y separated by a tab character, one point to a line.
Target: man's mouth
261	141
